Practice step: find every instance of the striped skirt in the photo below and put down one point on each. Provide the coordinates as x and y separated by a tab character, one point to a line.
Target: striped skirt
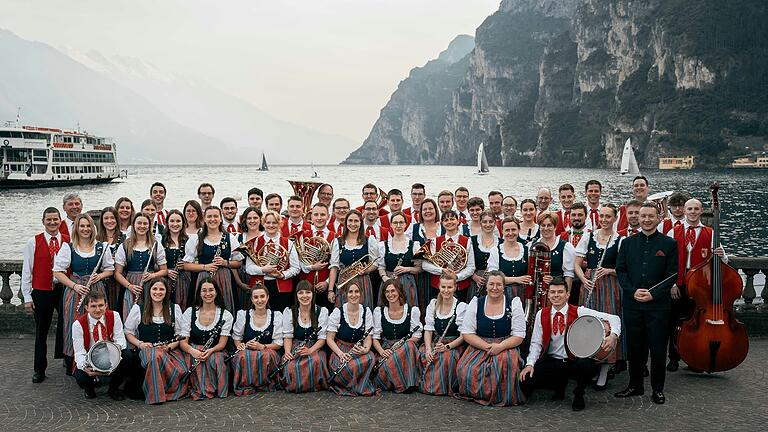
423	290
606	297
440	377
251	369
409	286
69	314
223	278
353	380
306	373
366	289
182	290
134	278
162	380
243	297
401	370
490	380
515	290
114	293
211	378
474	289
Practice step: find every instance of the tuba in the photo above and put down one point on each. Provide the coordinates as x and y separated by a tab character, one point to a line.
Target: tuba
539	262
383	198
354	270
451	255
306	191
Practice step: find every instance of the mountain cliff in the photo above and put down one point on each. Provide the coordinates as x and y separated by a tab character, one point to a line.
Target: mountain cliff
565	82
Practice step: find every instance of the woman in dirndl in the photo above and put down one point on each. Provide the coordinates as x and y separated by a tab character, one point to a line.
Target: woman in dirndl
349	338
258	336
107	231
250	230
511	258
135	263
443	344
174	239
213	251
601	292
428	229
157	365
397	260
352	247
494	327
399	370
304	330
207	322
73	266
482	246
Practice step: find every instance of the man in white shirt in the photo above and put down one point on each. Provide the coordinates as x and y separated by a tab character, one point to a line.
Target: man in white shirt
462	199
549	361
73	206
102	325
228	207
157	194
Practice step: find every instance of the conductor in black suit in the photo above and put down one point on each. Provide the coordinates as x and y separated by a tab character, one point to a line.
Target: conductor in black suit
646	269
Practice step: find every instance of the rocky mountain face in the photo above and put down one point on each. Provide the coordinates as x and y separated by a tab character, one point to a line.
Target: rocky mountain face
565	82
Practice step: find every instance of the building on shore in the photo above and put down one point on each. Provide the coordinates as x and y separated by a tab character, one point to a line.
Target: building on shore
747	162
668	163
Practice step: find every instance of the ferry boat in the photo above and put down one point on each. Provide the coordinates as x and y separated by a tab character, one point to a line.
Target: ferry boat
39	156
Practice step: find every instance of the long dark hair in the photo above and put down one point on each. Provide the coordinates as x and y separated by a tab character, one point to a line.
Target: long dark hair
360	231
146	315
183	237
244	219
395	282
101	231
257	286
204	231
199	210
434	204
218	301
304	286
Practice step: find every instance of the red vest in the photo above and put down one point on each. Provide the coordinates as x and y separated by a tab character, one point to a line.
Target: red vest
562	224
700	252
623	223
64	228
415	216
285	230
435	280
42	263
283	285
546	326
627	233
382	211
109	317
322	275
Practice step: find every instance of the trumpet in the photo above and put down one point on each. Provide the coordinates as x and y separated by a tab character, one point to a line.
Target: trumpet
451	255
354	270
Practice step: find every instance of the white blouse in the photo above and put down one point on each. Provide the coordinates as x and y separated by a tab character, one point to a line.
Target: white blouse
523	234
469	326
134	319
277	332
493	259
322	321
190	249
334	319
186	322
415	320
373	249
581	248
429	317
159	254
64	258
382	250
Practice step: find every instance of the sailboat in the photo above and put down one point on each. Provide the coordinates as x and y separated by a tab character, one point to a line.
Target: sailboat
264	166
482	162
314	173
628	161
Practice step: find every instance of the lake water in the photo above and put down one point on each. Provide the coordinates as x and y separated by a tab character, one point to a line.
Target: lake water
742	193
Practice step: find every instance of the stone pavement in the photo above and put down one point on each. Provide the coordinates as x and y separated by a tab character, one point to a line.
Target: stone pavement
734	400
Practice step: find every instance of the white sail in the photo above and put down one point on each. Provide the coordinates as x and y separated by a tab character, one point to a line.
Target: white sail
628	161
482	162
264	166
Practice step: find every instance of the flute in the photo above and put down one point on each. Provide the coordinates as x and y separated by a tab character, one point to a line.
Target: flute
214	335
258	336
295	349
146	269
81	298
439	341
343	364
394	348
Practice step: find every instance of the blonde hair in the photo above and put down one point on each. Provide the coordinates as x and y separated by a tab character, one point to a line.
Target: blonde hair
76	233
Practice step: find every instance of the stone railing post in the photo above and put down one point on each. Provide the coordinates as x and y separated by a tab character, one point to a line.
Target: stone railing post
749	289
5	293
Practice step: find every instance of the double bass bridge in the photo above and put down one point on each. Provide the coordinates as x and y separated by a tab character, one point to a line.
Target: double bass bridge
715	322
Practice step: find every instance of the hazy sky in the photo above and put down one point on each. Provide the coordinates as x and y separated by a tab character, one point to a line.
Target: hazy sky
327	64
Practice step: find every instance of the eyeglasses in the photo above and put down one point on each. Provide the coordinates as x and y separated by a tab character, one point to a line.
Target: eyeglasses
397	223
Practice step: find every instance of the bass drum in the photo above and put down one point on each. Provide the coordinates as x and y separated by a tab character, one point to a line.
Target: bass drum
585	336
104	356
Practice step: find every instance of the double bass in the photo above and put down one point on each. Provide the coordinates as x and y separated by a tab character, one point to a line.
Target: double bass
713	340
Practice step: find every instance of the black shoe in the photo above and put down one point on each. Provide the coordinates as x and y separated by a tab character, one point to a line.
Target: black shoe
658	397
629	392
645	371
673	365
135	394
558	395
90	393
578	402
116	394
38	377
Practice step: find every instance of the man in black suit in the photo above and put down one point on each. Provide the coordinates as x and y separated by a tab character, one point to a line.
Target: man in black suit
646	269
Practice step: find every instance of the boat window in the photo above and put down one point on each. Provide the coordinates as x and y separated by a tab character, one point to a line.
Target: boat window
5	134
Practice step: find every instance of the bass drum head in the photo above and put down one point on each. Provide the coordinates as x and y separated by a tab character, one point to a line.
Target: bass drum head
104	356
585	336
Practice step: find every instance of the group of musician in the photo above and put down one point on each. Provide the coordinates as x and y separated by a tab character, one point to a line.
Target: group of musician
460	296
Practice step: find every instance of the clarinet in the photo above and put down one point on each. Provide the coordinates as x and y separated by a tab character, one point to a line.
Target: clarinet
258	336
394	348
343	364
593	276
440	340
146	269
81	299
295	349
217	254
167	342
209	343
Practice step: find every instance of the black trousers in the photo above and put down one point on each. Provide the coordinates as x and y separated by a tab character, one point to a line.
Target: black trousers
116	378
573	297
647	330
552	373
134	373
681	311
277	301
45	303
